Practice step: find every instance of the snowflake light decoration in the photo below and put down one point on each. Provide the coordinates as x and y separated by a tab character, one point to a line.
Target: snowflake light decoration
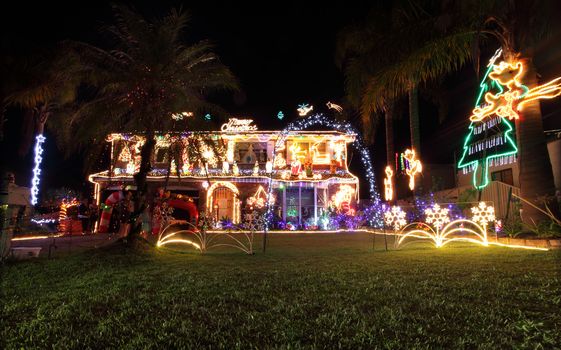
437	216
483	214
395	217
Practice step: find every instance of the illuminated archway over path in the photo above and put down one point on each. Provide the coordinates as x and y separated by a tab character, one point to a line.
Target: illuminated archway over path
376	218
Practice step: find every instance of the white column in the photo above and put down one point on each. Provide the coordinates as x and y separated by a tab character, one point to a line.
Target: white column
315	203
284	203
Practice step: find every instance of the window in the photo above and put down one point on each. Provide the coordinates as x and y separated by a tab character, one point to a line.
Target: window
503	176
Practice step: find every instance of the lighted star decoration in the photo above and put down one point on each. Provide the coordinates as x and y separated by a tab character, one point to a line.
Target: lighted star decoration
304	109
395	217
414	167
388	184
437	216
483	214
334	106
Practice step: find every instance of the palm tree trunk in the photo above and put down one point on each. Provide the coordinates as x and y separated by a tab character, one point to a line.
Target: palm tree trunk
141	196
390	151
414	128
536	176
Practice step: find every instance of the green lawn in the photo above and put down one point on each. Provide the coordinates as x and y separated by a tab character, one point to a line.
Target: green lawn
323	291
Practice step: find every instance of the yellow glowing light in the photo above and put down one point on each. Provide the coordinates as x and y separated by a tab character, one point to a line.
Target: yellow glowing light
27	238
343	196
259	199
415	167
338	151
225	167
395	218
483	215
208	154
388	184
236	202
304	109
256	169
319	157
238	125
334	106
279	161
317	176
230	151
235	169
506	104
437	216
125	155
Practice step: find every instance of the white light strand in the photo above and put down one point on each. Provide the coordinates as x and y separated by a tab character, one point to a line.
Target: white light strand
39	140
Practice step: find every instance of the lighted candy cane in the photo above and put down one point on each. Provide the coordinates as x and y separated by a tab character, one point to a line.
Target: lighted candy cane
114	198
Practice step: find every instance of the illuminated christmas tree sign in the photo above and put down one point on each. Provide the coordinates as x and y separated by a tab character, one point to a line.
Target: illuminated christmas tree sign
238	125
501	97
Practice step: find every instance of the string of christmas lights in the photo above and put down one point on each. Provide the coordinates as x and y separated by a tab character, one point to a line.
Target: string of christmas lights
376	219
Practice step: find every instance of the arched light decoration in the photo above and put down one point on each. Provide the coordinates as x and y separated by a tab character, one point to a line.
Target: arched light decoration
342	126
439	230
394	217
230	186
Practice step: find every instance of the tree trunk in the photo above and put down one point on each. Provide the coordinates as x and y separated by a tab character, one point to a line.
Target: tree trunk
390	151
536	176
414	129
141	196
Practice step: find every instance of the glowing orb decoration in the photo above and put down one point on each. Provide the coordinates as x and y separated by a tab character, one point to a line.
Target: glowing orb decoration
437	216
304	109
388	184
334	106
280	115
36	180
208	117
395	217
413	168
205	185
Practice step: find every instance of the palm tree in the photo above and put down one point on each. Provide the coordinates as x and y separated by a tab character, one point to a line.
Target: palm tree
417	48
147	75
518	26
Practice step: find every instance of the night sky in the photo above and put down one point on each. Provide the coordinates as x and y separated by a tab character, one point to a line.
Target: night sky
283	54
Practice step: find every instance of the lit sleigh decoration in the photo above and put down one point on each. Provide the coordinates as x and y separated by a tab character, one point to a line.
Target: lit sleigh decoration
439	230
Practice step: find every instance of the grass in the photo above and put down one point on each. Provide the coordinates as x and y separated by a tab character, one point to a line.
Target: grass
319	291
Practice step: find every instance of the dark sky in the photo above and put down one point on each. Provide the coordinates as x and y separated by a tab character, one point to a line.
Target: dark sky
282	52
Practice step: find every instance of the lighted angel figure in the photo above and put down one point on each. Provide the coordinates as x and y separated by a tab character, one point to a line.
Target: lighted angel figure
414	167
507	103
388	185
